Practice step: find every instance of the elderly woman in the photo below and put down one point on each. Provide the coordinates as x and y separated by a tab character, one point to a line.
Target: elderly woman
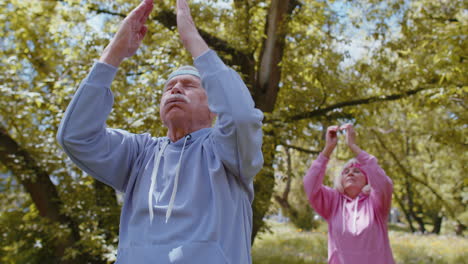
357	208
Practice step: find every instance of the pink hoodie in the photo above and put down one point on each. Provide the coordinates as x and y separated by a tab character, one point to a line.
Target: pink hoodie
357	229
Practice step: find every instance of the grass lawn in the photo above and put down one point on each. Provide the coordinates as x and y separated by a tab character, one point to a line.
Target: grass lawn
287	245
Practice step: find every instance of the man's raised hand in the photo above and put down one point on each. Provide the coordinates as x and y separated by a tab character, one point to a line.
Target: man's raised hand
128	38
188	32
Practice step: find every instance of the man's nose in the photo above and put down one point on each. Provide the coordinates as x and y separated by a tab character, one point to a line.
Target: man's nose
177	89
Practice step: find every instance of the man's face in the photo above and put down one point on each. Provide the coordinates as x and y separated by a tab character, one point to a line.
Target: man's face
184	100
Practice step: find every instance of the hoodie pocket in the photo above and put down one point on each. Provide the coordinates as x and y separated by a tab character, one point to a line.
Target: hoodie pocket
189	253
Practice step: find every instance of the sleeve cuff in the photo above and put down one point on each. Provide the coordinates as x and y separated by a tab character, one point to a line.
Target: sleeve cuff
208	50
322	158
363	156
209	63
101	74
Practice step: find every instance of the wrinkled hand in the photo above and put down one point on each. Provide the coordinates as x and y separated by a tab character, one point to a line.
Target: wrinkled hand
188	32
350	134
351	138
331	139
128	38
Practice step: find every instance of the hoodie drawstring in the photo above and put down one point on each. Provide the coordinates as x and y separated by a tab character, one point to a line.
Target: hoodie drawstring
343	216
176	181
343	220
355	214
157	159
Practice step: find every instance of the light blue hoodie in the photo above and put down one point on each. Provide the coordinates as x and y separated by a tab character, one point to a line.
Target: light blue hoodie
210	220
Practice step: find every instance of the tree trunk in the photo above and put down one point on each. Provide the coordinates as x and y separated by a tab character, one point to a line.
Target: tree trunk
437	221
411	205
110	210
269	71
264	184
420	222
460	229
44	195
406	213
283	199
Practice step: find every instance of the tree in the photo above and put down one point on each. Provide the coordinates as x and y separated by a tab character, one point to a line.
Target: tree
288	54
421	149
290	194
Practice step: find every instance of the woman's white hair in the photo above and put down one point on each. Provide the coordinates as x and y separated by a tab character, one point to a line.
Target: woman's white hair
337	182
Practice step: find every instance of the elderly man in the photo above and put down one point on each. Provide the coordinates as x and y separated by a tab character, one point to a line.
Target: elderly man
188	196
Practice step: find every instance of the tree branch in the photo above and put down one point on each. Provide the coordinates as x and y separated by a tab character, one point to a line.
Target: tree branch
315	152
168	19
415	178
369	100
283	199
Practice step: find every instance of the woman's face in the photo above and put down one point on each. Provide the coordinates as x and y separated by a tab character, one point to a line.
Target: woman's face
353	178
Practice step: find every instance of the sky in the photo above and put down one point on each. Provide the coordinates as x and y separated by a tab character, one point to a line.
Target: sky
358	46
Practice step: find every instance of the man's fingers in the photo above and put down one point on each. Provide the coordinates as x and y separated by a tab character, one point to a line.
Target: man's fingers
147	12
184	18
142	32
179	6
138	11
142	11
183	7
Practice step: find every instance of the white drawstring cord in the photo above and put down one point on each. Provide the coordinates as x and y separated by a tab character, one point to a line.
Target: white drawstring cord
343	215
176	181
355	214
157	159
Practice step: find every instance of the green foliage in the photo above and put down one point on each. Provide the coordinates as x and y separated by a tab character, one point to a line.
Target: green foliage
28	238
407	98
409	248
290	195
290	245
419	140
287	244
